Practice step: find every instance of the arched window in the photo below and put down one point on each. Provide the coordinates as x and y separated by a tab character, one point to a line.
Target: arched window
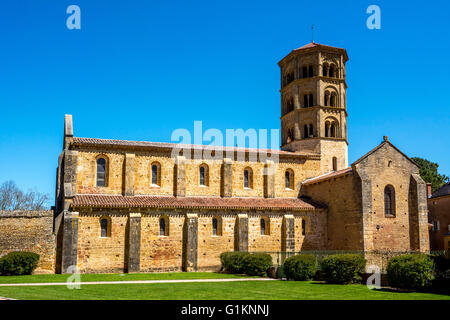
248	178
305	131
325	70
389	201
265	226
311	100
216	226
334	163
305	72
333	130
156	174
289	179
305	101
303	227
105	227
311	71
101	172
333	99
163	226
326	98
327	128
311	132
203	175
290	105
331	71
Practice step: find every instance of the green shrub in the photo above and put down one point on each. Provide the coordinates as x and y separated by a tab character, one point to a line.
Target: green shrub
301	267
256	264
18	263
233	261
343	268
410	271
442	271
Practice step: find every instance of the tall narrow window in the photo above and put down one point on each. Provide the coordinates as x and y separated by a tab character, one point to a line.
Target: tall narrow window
311	133
303	227
305	101
305	72
333	100
203	175
163	227
104	228
101	172
327	128
263	226
214	226
305	131
287	180
245	178
311	71
311	100
331	71
389	201
154	174
334	163
325	69
333	130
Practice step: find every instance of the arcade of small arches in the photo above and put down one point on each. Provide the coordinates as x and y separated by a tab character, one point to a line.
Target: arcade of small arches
331	99
329	70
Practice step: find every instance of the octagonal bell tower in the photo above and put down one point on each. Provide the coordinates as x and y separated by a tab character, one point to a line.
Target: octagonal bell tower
313	104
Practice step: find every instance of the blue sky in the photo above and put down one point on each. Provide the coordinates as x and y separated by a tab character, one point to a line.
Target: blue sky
140	69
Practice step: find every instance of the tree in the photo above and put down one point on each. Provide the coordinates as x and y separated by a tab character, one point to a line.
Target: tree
12	198
429	173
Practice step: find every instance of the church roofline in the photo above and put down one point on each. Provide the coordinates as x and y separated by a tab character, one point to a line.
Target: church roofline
77	141
327	176
314	46
209	203
385	141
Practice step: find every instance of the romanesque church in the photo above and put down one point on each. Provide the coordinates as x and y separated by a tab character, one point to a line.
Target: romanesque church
132	206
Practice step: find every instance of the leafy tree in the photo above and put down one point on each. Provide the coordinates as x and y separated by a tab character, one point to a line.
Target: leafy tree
429	173
12	198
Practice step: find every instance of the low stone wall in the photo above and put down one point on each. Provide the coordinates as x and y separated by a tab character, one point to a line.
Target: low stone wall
29	231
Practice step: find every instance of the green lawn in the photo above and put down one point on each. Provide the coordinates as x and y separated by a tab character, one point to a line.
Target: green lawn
253	290
119	277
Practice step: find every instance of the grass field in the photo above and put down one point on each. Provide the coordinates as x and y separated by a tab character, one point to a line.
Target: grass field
253	290
43	278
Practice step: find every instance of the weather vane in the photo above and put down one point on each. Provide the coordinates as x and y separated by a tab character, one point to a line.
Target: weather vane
312	33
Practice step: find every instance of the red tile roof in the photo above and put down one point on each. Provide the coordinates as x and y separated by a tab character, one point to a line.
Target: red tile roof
316	45
170	202
164	145
328	176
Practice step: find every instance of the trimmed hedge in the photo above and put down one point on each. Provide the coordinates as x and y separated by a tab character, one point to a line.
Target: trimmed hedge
411	271
253	264
18	263
256	264
301	267
232	261
343	268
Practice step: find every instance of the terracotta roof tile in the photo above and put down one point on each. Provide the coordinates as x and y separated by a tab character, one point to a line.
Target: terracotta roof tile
327	176
119	201
147	144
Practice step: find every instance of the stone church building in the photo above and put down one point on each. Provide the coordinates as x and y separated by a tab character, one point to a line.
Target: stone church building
132	206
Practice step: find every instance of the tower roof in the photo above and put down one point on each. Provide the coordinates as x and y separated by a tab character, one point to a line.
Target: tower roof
314	45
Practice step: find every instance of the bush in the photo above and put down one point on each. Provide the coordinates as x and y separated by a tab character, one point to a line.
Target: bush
410	271
18	263
301	267
233	261
256	264
343	268
442	271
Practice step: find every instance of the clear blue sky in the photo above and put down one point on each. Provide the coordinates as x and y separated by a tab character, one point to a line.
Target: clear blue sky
140	69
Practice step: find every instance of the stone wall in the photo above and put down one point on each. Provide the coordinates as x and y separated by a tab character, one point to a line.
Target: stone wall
139	175
439	211
29	231
163	253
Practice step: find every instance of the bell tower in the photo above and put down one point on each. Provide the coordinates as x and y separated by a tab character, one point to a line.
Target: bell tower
313	104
